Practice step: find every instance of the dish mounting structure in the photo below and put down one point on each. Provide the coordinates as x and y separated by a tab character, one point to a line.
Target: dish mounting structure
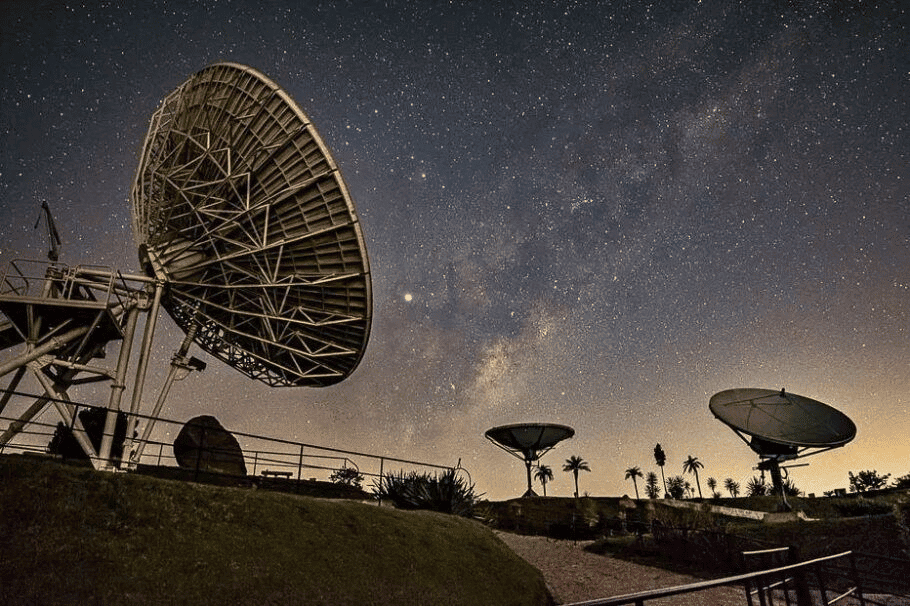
781	426
247	237
528	442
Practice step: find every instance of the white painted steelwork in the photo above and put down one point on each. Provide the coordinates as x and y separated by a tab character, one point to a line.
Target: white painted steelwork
240	209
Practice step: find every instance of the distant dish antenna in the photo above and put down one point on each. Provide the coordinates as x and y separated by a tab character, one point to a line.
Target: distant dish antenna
781	426
247	237
529	442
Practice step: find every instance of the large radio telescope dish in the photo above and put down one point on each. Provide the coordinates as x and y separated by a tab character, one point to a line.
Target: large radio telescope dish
239	208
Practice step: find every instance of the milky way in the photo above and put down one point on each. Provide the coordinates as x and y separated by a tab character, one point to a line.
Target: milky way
595	214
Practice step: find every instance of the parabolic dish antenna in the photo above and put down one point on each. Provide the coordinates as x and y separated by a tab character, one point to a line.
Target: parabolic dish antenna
248	238
780	421
781	426
529	442
239	208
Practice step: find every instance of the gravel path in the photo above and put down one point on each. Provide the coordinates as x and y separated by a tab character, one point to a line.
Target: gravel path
575	575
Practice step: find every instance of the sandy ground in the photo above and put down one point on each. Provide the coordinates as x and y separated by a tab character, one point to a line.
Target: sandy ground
575	575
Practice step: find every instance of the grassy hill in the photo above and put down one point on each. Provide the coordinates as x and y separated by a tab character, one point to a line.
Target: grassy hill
73	535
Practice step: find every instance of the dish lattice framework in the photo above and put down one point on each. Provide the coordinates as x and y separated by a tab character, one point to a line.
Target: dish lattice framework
239	207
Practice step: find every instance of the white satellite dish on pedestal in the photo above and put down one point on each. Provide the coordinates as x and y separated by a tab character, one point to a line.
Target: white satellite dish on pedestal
781	426
529	442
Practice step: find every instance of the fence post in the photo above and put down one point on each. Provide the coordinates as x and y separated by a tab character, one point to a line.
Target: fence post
381	471
819	576
299	468
255	461
855	571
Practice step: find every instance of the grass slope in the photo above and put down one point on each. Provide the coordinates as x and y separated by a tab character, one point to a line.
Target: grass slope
73	535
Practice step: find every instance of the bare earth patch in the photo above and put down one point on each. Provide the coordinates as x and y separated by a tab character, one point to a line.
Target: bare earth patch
575	575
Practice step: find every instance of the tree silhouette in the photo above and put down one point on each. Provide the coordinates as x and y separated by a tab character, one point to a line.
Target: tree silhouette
732	487
543	474
692	465
791	489
660	457
576	464
676	487
866	480
347	476
756	487
634	472
651	488
712	484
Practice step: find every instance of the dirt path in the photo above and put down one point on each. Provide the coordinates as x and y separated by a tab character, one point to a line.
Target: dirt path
575	575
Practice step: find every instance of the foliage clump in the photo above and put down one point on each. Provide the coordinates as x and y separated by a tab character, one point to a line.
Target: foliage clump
347	476
867	480
445	492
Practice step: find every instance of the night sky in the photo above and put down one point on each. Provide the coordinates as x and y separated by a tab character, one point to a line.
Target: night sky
594	214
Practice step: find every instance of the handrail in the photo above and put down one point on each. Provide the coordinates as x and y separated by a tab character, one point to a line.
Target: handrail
272	456
640	597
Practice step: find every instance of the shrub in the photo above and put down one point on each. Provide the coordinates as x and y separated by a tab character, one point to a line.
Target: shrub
867	480
347	476
695	537
902	516
445	492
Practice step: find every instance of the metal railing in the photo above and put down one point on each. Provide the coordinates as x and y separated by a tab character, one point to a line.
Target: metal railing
263	456
811	586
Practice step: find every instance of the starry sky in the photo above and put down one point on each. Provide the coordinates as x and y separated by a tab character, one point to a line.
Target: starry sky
589	213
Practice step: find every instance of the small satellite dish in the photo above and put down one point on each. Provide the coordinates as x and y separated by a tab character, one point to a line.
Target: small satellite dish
781	426
529	442
239	208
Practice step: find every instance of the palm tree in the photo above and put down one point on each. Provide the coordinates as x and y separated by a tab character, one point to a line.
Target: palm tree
660	457
732	487
692	465
651	485
712	484
634	472
544	474
576	464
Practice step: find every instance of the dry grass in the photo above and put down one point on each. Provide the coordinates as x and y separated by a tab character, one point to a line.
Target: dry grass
73	535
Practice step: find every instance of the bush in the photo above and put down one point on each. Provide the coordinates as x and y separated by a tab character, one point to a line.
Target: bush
695	537
902	516
347	476
445	493
867	480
